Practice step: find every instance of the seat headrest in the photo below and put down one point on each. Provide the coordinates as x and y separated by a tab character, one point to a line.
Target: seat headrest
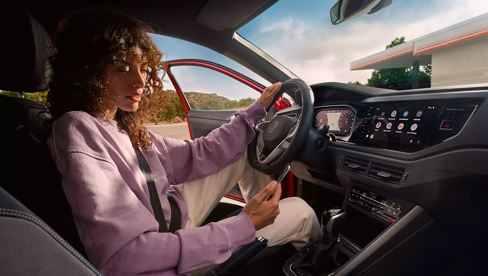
25	53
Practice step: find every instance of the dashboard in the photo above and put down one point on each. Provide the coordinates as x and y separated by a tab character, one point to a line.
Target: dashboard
406	126
412	161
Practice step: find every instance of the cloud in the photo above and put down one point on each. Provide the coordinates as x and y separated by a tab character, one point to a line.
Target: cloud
319	52
312	48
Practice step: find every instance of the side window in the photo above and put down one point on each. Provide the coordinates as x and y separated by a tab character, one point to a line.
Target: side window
37	96
207	89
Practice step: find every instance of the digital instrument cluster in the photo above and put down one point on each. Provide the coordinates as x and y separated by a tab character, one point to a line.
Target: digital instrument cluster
339	119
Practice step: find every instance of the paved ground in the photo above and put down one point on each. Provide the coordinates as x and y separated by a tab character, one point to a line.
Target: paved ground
178	131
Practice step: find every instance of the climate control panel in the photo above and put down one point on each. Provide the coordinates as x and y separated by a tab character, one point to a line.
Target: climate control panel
378	205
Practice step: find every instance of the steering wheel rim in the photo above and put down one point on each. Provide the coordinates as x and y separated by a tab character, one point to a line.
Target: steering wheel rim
295	142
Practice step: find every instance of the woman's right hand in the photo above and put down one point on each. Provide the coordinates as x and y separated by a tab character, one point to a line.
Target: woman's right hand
264	213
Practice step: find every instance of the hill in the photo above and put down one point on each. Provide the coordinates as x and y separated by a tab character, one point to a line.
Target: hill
206	101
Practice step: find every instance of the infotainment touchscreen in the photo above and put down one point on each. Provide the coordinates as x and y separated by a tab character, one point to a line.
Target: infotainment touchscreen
399	126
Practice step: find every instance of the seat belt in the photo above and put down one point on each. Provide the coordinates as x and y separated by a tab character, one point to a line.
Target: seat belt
175	223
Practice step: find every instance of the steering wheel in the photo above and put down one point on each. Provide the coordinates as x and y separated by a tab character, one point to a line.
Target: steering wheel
278	141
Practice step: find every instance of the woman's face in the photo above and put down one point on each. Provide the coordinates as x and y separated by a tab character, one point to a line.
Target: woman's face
126	83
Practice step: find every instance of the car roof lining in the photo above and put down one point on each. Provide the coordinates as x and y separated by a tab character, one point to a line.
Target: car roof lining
210	23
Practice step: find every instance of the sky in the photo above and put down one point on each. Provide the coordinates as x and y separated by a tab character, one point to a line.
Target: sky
299	35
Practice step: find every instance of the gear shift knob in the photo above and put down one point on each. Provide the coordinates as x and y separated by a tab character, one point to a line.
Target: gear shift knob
332	221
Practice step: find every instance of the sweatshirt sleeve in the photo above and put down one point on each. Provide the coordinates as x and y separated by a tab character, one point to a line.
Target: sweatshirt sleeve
188	160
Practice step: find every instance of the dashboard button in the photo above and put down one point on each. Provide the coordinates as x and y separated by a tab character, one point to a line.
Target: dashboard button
447	124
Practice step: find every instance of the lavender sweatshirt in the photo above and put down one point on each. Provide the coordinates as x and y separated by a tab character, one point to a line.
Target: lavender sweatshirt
110	202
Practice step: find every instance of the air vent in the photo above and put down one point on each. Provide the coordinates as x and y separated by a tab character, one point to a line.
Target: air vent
355	164
387	173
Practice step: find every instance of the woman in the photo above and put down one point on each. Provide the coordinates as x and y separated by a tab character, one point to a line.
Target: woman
105	69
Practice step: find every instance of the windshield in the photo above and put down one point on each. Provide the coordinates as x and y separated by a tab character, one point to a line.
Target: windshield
386	49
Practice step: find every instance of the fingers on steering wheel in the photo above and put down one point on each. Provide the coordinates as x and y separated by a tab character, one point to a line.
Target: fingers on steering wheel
276	87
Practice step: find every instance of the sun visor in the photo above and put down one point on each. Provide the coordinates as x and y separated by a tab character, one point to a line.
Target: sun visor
224	14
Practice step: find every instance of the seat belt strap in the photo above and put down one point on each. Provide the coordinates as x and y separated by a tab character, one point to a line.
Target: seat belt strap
175	223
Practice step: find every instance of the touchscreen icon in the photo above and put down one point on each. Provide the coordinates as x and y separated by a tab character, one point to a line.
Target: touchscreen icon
394	113
378	125
419	113
400	126
413	127
405	114
388	126
383	113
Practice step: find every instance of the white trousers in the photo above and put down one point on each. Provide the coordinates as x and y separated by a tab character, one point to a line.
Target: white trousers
296	224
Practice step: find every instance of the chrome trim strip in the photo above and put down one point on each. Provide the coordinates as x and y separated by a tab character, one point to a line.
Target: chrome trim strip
351	243
292	270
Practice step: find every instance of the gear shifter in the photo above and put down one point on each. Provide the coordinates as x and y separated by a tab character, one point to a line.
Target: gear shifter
332	221
322	258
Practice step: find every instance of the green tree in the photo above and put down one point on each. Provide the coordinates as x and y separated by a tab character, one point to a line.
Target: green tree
230	104
398	78
212	104
9	93
246	102
174	108
395	42
36	96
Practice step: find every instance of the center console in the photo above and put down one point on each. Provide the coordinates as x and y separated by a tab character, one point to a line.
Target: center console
375	204
369	215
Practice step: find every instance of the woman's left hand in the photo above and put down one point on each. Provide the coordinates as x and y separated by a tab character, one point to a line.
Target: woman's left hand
268	94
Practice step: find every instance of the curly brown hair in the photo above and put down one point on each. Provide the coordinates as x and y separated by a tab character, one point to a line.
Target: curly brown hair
85	44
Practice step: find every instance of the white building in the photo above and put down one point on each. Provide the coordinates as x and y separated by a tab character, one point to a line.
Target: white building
458	54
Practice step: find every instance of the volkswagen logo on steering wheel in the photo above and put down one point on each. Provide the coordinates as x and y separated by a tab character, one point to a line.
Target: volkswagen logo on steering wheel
273	126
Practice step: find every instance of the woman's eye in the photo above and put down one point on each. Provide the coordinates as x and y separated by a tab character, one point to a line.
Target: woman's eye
123	69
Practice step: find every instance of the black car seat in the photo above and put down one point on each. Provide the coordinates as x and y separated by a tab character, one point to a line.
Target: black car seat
30	184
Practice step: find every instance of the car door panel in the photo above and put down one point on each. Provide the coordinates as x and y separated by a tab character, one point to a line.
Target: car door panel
202	122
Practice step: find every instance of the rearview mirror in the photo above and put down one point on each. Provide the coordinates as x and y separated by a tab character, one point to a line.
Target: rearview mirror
345	10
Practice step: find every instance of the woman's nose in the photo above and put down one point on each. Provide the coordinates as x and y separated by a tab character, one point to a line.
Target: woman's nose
139	79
